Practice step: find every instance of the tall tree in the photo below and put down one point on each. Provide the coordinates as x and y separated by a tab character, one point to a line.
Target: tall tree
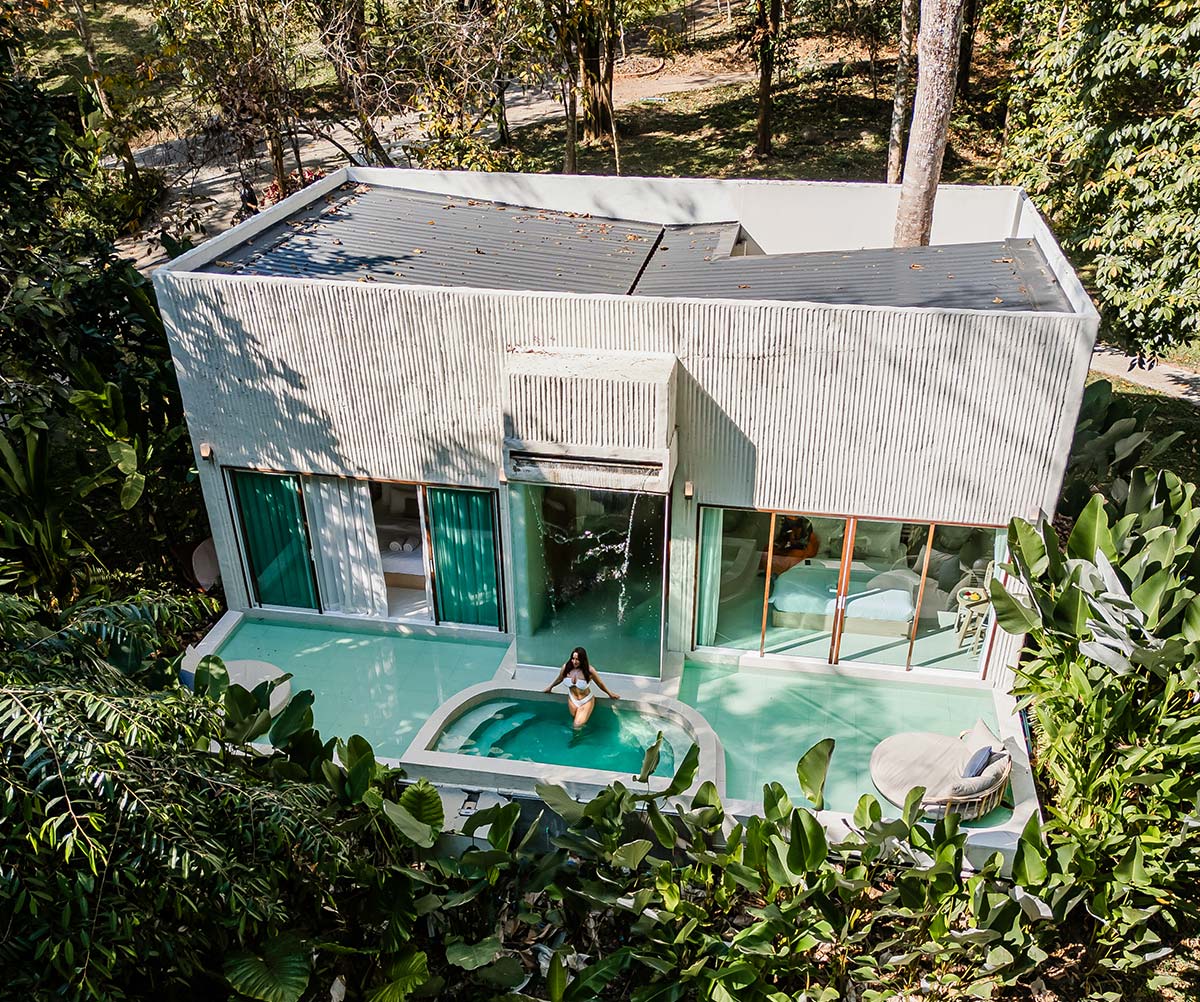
966	47
902	95
937	54
768	16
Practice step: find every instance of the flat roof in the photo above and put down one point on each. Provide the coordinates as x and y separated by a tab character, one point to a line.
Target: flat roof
375	233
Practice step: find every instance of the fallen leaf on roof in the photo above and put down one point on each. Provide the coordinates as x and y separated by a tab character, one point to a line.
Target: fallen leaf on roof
997	300
743	286
1002	260
471	201
430	222
362	189
367	278
632	236
478	251
916	267
949	276
417	250
337	242
501	208
224	264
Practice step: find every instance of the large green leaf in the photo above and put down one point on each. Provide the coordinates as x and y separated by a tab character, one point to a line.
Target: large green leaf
278	974
685	773
211	678
1014	617
404	975
809	847
499	819
297	716
424	803
124	456
560	802
631	854
556	977
813	769
415	831
650	759
1091	533
470	956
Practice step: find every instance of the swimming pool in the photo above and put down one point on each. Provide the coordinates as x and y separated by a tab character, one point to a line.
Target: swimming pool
533	730
383	686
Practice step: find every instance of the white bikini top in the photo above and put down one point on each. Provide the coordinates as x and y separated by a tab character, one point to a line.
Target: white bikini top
577	678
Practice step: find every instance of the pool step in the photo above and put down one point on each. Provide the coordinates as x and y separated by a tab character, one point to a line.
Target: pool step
463	729
495	733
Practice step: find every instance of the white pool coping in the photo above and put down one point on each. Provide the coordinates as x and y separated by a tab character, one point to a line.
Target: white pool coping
474	770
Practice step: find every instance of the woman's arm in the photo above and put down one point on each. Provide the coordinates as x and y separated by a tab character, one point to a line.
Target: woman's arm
562	673
600	682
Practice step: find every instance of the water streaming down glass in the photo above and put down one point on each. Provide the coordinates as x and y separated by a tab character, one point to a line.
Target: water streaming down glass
588	568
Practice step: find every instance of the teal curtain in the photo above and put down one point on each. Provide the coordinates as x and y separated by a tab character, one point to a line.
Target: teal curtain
708	584
462	528
273	533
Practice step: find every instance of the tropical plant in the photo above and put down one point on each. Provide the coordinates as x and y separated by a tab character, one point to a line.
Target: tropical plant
1110	678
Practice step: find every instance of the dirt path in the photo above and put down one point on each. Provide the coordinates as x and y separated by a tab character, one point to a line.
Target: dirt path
1165	378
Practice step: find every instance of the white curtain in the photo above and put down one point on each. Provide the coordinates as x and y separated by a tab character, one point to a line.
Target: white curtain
345	547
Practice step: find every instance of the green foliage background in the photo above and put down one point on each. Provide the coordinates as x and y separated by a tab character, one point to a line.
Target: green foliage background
1104	131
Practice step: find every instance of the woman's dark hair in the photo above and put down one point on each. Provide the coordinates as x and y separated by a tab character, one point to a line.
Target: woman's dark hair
583	662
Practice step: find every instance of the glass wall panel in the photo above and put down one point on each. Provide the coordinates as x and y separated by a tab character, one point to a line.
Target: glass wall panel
275	539
883	590
732	577
805	567
588	572
955	609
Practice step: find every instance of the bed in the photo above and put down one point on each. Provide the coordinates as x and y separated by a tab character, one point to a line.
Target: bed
403	564
883	603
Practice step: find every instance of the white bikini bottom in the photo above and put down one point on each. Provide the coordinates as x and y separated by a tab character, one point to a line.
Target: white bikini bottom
582	701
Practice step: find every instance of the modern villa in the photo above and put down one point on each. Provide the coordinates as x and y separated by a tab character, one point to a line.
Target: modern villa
720	433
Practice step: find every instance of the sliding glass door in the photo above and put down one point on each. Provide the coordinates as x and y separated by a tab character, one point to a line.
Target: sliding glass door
908	594
588	570
274	538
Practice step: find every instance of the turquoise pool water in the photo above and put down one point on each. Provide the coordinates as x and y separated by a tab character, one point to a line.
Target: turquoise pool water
382	686
536	730
767	719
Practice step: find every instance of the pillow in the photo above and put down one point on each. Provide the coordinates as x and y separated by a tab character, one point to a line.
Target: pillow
900	578
980	735
974	786
977	763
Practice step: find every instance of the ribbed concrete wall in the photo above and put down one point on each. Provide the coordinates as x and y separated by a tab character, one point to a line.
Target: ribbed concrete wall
583	412
913	414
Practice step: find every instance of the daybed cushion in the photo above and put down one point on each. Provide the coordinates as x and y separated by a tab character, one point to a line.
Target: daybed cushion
903	761
977	763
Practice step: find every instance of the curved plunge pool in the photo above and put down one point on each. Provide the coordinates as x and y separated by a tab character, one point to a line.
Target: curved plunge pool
496	736
537	730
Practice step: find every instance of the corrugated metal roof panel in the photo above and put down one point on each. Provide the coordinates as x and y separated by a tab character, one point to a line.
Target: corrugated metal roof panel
379	234
1002	275
393	235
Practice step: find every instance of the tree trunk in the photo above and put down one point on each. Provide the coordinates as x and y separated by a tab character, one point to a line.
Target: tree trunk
597	122
769	13
84	27
570	158
937	64
278	167
902	98
504	134
966	48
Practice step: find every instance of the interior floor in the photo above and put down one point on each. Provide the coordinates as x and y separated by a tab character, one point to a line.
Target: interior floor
408	603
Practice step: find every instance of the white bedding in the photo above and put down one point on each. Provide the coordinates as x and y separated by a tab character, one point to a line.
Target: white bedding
400	562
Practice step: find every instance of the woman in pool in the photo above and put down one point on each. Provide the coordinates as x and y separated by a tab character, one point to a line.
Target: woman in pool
579	674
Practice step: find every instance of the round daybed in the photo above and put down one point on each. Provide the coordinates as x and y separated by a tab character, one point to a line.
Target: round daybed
937	762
